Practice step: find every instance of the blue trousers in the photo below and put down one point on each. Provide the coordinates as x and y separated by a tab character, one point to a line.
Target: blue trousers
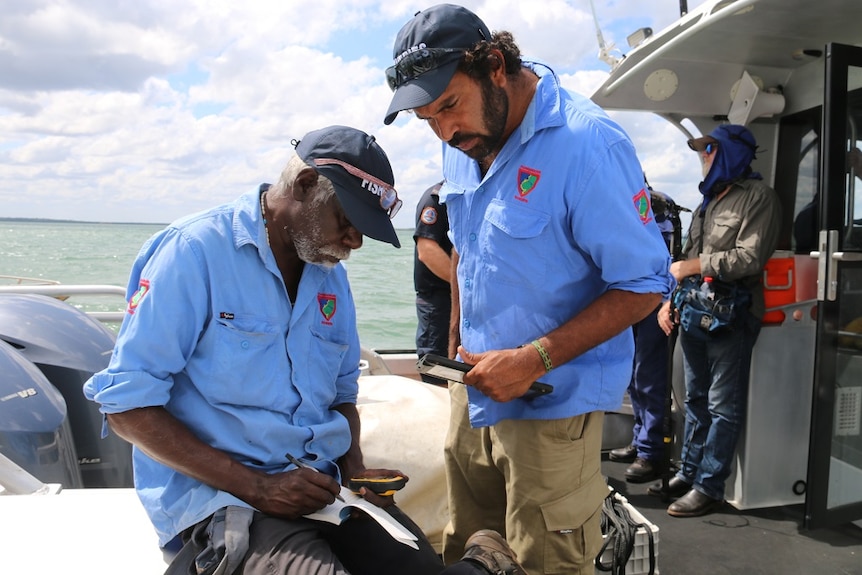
717	371
432	329
648	388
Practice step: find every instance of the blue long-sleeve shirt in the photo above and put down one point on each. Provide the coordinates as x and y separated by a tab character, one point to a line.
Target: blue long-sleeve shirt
560	218
211	336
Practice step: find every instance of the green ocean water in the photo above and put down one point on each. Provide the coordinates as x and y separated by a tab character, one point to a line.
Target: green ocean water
102	253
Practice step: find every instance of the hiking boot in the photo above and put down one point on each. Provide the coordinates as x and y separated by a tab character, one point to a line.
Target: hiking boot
676	487
693	504
488	548
625	454
641	471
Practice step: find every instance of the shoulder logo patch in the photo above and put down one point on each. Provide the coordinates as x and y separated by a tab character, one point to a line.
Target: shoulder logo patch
642	205
429	216
326	304
136	298
527	180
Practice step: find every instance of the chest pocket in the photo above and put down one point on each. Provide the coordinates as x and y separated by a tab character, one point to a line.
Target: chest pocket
724	230
514	244
248	354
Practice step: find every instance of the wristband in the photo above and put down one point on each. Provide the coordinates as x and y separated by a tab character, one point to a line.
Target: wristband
546	359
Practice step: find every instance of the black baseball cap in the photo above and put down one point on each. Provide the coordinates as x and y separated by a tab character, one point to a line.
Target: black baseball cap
360	173
727	135
426	53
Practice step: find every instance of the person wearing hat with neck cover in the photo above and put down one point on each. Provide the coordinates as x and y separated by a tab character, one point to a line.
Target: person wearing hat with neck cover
235	375
556	254
731	237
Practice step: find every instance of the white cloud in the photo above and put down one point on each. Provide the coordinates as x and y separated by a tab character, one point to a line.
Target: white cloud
146	111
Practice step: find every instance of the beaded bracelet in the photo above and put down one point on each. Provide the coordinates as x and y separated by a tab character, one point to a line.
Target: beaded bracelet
546	359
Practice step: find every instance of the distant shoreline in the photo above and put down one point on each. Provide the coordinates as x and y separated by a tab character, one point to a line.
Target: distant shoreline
56	221
59	221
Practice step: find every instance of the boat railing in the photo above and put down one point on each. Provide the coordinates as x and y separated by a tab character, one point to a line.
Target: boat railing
23	280
15	480
64	291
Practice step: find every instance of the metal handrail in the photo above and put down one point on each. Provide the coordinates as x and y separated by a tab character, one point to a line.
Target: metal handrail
32	281
63	291
55	290
15	480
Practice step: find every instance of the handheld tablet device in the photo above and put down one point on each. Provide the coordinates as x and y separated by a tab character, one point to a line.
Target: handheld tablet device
452	370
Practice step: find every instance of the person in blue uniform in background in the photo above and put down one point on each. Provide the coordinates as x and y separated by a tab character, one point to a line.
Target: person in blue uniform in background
648	389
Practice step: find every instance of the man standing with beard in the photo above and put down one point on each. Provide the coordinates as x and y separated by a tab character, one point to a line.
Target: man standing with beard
556	255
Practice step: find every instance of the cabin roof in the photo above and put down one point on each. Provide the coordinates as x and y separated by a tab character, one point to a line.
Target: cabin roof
690	68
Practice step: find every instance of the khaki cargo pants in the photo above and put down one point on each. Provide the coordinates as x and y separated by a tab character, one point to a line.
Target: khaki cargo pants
537	482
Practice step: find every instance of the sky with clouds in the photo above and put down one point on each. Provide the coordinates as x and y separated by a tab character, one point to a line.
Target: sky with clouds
144	111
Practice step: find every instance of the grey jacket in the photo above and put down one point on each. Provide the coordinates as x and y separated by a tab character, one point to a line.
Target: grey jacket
738	235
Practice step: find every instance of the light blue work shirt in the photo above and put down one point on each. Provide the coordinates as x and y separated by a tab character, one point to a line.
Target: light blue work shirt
560	218
211	335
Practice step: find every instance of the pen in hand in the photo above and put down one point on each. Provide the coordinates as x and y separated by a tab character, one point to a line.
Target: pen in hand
299	463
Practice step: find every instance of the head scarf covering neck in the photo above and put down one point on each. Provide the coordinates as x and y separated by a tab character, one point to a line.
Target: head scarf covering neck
732	162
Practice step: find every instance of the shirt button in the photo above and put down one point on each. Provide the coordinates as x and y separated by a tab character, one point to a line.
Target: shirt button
466	323
468	283
244	345
472	237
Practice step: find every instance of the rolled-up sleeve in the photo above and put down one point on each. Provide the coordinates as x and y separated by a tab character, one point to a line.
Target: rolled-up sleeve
167	309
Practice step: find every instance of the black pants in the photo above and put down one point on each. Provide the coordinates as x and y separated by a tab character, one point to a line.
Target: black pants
360	544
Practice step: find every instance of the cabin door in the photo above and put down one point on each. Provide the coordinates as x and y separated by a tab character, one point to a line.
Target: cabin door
834	484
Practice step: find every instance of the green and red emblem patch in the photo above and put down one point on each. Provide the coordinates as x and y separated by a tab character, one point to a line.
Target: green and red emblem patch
642	205
136	298
527	180
326	304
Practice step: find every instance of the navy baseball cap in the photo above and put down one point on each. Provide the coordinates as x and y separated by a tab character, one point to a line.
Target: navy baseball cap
426	53
728	136
360	173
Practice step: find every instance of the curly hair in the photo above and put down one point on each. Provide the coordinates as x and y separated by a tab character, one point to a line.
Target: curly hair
478	61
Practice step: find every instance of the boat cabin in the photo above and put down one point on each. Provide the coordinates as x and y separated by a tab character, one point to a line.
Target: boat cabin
791	70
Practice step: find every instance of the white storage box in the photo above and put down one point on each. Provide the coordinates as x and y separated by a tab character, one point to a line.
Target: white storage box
639	560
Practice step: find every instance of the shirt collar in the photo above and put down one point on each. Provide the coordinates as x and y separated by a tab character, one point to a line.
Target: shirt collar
545	110
247	221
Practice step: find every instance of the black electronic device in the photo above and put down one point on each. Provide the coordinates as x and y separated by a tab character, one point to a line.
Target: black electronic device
452	370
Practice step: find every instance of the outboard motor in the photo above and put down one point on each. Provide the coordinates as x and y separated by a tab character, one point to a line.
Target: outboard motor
68	347
34	430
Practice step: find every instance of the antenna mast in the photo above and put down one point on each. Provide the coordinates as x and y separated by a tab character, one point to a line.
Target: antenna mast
604	50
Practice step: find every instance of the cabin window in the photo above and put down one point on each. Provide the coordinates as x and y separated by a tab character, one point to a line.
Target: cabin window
797	178
853	179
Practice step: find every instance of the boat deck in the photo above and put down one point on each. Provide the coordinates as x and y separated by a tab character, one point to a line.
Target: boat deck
732	542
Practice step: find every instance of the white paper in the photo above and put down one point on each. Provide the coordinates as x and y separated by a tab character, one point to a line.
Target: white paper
339	511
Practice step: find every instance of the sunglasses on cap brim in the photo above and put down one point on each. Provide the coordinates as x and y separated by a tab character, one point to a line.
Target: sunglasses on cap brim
417	63
389	200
